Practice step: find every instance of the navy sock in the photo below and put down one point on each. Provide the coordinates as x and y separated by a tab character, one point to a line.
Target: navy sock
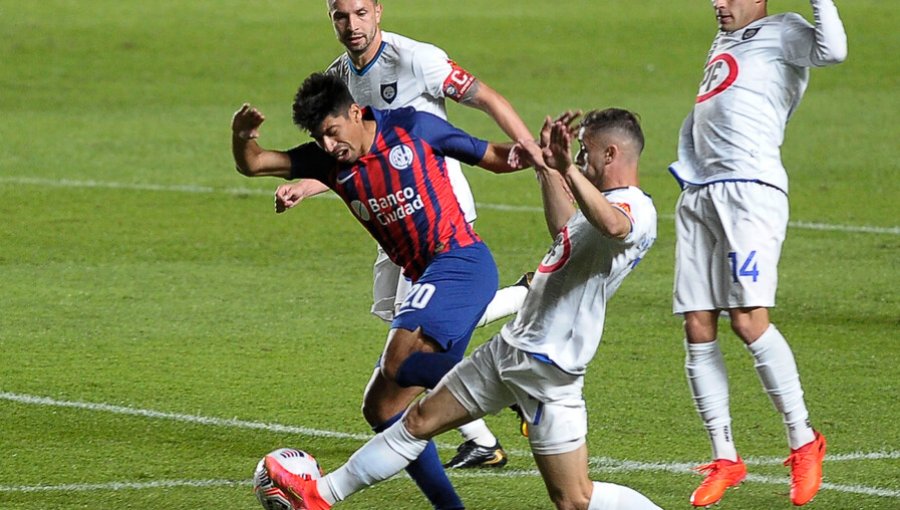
425	368
428	473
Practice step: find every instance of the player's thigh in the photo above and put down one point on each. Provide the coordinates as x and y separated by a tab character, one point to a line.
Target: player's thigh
754	220
728	244
450	297
696	236
400	345
435	414
475	381
566	477
384	398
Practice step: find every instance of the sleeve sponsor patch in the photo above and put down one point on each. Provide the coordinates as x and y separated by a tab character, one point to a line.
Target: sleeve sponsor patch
625	208
457	82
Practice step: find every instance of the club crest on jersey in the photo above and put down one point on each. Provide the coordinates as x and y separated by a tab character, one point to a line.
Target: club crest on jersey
720	73
748	34
401	157
389	92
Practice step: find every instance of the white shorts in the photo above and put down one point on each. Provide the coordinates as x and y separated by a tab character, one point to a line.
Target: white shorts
728	243
389	287
498	375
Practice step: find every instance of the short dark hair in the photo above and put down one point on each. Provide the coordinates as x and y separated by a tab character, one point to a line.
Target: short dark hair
614	119
320	95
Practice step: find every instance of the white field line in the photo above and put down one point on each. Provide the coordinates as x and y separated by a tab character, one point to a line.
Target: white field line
189	188
597	464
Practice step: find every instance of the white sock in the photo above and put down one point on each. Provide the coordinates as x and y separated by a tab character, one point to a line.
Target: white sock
383	456
507	301
609	496
708	380
779	376
479	432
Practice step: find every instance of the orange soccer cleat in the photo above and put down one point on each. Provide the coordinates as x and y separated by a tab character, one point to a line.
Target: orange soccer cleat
806	470
301	490
720	475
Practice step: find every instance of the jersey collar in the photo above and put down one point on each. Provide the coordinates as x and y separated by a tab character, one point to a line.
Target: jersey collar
365	69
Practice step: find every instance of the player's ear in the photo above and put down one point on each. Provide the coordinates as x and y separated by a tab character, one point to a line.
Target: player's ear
610	154
354	113
378	7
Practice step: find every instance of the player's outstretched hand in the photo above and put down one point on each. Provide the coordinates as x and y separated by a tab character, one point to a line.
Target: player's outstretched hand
564	130
560	147
525	153
246	121
289	195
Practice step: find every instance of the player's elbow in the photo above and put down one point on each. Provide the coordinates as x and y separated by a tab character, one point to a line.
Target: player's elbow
833	54
244	170
249	169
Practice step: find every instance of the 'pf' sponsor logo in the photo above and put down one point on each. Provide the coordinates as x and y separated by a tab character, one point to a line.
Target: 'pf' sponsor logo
720	73
559	253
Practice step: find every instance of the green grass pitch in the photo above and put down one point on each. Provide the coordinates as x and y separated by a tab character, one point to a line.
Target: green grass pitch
161	329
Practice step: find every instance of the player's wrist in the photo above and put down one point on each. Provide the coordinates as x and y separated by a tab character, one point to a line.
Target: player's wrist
245	135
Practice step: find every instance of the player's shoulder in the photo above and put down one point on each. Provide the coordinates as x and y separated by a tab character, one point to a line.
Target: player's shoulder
411	48
636	203
408	116
788	20
338	67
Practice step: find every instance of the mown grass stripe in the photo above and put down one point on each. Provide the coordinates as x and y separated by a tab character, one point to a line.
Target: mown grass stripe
596	464
190	188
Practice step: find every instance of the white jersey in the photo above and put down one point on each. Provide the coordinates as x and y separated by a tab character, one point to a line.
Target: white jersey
406	72
562	319
753	82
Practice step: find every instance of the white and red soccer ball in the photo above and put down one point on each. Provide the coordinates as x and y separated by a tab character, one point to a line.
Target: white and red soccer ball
295	461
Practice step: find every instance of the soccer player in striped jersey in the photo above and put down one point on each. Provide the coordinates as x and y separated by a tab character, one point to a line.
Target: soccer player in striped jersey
389	167
386	70
538	360
731	220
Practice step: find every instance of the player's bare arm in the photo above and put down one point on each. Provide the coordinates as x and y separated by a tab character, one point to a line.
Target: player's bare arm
488	100
251	159
496	159
289	195
606	218
559	206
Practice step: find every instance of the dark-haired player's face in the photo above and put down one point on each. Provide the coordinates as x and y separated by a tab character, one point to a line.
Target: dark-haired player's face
342	136
355	23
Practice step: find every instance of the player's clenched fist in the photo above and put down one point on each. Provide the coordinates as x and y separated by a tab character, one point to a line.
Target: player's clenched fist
246	121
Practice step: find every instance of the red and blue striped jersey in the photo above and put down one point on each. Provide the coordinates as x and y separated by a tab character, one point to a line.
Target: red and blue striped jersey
400	190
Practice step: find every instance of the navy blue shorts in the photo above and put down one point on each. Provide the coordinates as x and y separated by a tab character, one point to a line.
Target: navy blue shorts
450	297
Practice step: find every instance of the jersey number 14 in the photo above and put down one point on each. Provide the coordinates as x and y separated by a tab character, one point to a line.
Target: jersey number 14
747	268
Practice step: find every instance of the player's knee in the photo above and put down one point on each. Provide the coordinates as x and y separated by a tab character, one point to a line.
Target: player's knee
371	413
376	410
576	501
700	327
749	326
415	421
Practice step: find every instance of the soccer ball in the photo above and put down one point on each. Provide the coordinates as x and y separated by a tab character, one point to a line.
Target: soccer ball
295	461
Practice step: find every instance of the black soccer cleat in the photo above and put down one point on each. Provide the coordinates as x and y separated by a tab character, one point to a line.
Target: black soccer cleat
525	280
472	455
523	423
